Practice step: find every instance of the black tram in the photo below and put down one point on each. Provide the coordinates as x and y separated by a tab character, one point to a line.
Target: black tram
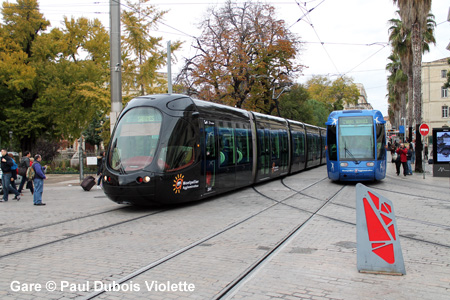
168	149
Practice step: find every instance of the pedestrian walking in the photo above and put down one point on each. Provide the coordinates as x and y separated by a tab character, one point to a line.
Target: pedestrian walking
6	165
402	151
397	161
100	161
24	164
409	155
38	180
14	175
425	151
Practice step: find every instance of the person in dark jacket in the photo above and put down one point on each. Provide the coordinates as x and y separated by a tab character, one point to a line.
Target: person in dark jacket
6	166
24	164
38	180
409	155
100	161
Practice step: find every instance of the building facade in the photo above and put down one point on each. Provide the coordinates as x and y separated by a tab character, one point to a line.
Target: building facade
362	101
435	97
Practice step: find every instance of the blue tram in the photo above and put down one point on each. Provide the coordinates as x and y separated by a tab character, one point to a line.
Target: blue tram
356	145
168	149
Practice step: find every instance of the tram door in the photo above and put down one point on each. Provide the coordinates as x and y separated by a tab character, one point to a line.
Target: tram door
210	155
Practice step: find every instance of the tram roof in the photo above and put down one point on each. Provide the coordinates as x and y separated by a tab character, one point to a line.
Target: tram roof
335	115
222	110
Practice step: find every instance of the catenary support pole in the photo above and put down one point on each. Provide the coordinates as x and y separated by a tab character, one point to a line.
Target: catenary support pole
169	68
115	62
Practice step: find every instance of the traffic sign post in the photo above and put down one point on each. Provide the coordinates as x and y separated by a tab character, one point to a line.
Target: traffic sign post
424	129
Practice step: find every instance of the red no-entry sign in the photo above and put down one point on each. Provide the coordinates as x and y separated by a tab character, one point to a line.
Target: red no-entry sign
424	129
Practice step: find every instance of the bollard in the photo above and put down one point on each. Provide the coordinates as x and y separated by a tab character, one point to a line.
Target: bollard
378	244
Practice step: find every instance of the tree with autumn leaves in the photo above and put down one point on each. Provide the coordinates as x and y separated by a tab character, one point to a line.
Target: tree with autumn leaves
243	54
55	84
246	56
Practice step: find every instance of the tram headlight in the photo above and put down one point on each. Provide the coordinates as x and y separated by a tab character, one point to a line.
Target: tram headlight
370	164
344	164
147	179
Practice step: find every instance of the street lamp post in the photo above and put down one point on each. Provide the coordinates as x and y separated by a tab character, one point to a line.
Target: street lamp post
404	129
286	87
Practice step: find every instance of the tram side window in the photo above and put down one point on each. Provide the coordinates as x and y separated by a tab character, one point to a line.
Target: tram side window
243	144
309	141
274	136
284	148
331	142
264	146
316	144
226	145
299	143
323	143
381	142
180	152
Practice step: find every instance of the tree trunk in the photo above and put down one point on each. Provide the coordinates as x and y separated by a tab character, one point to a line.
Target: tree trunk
417	95
419	147
410	119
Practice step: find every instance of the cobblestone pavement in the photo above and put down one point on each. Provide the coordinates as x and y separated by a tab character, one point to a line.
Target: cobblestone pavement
81	242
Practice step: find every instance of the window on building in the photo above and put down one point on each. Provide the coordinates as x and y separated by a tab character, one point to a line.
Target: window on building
443	73
445	111
444	92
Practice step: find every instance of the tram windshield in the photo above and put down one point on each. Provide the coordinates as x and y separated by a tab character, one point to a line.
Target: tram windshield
133	145
356	139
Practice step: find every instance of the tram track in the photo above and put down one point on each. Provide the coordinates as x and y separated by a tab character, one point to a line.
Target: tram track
253	267
239	281
353	207
61	222
398	217
72	236
414	183
249	272
193	245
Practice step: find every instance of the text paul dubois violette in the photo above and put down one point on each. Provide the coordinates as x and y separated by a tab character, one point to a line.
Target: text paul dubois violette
96	286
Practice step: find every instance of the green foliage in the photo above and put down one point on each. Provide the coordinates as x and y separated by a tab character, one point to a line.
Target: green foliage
321	112
334	94
294	105
297	105
93	132
142	53
52	84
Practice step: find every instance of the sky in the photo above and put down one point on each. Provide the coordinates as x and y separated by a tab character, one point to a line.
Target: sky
340	37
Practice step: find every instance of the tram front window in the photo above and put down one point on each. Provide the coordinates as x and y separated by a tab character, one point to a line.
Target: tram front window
356	139
133	145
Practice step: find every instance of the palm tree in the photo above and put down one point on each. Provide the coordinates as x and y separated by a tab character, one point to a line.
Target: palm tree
397	87
400	39
414	15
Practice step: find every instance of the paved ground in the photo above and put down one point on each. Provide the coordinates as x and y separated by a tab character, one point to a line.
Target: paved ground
81	240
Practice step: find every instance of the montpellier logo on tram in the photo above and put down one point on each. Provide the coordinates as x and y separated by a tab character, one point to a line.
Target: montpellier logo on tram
178	183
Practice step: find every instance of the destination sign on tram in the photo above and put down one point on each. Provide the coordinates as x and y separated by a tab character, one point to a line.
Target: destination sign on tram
355	121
